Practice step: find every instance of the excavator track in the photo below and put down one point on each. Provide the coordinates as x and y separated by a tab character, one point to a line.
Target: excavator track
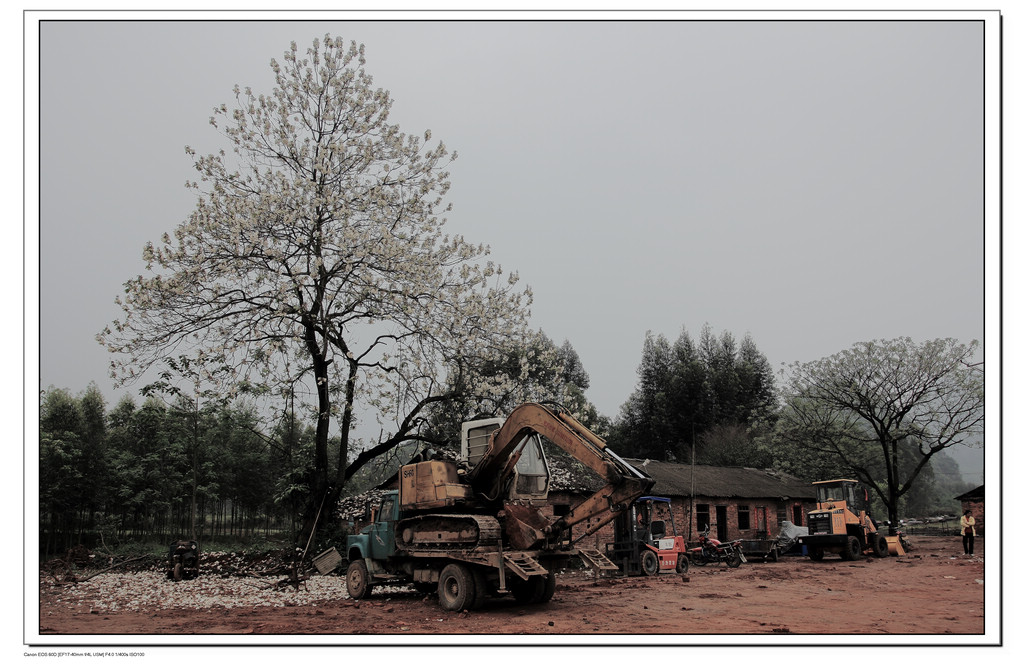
439	532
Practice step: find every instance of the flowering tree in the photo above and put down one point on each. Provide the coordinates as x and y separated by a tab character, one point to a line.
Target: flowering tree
883	409
316	253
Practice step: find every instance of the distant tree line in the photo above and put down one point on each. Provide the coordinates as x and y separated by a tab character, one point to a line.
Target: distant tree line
157	471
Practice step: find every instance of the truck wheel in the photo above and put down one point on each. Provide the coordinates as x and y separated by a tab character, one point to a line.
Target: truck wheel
682	565
546	589
480	581
456	590
357	580
537	589
733	560
881	547
649	563
853	550
816	553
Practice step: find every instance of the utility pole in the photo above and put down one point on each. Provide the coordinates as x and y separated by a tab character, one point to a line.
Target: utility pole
693	463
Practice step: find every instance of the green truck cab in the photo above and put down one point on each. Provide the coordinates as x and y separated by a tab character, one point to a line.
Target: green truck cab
376	540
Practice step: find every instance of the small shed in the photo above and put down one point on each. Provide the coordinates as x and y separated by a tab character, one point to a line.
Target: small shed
975	501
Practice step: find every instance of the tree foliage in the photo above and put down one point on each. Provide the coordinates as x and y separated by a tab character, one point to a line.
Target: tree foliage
316	253
536	370
883	409
713	395
159	470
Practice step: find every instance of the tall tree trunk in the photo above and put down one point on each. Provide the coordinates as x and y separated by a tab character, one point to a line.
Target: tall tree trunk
319	481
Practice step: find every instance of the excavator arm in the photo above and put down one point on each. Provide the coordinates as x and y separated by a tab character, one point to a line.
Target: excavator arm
624	483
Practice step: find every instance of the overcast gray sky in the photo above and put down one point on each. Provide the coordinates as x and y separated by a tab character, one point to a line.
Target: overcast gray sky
814	184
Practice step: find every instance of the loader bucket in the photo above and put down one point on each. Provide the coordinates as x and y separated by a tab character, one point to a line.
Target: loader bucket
895	549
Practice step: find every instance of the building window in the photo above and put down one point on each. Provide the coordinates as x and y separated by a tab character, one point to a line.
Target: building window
743	517
703	516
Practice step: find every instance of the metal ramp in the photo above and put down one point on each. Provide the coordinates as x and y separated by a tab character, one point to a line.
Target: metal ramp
597	561
524	564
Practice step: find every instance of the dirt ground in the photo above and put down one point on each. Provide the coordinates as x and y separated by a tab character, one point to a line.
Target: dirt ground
933	590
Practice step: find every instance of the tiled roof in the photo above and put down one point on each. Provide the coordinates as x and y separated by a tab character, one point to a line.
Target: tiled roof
976	494
723	481
675	480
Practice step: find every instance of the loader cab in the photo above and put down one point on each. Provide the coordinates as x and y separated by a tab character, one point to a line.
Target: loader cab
837	492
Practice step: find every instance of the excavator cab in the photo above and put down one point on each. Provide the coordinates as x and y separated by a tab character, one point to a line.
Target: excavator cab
530	477
530	473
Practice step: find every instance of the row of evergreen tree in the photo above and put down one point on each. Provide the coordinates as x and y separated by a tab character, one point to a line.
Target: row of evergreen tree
163	471
709	400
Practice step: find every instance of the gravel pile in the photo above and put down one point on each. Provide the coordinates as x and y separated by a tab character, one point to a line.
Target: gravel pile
150	591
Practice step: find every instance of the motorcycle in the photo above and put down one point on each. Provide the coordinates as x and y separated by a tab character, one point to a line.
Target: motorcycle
183	560
712	550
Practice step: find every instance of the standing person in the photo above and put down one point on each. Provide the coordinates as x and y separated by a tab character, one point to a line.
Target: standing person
967	531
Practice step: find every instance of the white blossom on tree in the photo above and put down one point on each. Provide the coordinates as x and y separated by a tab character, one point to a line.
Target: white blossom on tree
319	237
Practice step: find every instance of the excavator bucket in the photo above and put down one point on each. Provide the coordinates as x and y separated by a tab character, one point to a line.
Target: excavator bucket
524	526
895	548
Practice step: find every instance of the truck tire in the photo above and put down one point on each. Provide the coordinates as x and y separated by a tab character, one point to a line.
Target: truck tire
537	589
357	580
682	565
816	553
853	549
546	589
456	590
649	563
480	580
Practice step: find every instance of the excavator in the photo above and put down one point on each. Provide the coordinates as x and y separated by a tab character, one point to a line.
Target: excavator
475	528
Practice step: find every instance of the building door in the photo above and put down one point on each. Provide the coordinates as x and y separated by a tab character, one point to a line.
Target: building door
721	517
761	522
798	514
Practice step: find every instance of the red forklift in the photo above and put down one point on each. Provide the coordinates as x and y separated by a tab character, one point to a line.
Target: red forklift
642	545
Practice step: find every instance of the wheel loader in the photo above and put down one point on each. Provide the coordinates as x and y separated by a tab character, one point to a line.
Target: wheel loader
475	528
841	525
